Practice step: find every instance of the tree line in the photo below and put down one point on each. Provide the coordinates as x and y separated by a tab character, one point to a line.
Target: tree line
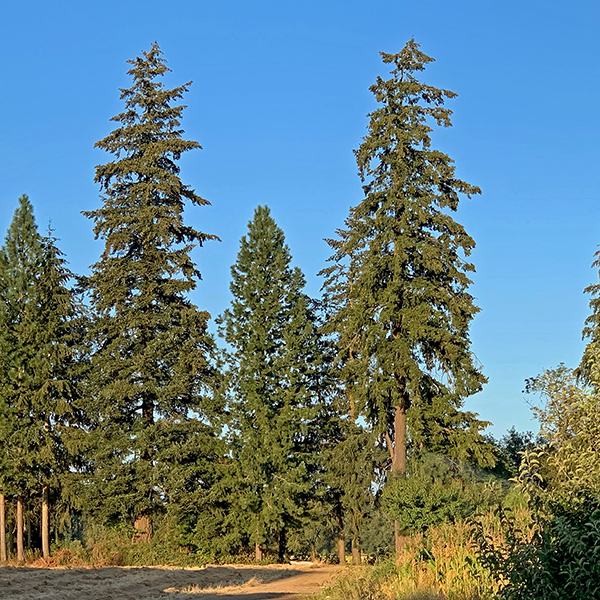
118	407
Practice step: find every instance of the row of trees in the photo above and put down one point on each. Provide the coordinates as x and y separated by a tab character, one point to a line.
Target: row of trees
115	400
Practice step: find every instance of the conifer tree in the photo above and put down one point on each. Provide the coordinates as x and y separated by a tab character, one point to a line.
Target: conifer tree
57	401
150	366
274	367
38	345
399	279
20	262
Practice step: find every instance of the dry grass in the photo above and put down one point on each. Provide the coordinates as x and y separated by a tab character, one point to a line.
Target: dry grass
442	566
218	589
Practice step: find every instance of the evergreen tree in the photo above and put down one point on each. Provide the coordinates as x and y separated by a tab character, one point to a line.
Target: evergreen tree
56	398
20	261
274	375
37	394
151	372
399	278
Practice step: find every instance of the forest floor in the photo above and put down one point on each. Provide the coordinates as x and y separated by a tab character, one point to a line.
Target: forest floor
213	582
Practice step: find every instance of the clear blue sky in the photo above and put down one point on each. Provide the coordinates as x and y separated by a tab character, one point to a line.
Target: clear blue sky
279	101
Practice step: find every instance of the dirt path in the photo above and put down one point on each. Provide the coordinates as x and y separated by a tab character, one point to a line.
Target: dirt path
227	582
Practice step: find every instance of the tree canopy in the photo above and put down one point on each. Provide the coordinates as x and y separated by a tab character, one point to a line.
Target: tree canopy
399	278
274	382
151	353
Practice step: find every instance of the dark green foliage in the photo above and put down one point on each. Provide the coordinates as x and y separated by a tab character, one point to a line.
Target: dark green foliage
561	561
437	490
438	425
275	384
399	280
151	373
38	338
20	264
509	450
377	535
355	472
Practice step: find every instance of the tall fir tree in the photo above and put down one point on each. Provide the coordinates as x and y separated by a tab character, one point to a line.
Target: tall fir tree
399	279
274	375
38	344
57	398
20	261
151	370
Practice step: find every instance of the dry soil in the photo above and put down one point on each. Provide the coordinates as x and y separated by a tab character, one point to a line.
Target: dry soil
222	582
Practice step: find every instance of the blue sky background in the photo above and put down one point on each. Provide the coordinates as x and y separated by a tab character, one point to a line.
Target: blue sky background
279	101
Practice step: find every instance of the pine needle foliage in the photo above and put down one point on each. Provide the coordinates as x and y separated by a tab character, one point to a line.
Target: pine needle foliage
20	263
274	377
399	279
151	372
39	347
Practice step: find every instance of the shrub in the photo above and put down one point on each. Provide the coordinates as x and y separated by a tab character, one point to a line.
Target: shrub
437	490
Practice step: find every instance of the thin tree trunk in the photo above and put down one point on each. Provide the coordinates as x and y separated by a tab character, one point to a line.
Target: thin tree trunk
258	553
3	554
10	539
341	538
356	558
45	523
282	546
399	462
28	527
20	549
143	522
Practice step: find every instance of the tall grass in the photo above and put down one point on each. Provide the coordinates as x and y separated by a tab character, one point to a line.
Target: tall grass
442	565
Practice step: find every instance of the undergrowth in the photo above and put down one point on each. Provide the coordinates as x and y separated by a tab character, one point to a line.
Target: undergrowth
441	565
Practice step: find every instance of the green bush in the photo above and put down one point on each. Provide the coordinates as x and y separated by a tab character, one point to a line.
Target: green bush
559	558
560	561
437	490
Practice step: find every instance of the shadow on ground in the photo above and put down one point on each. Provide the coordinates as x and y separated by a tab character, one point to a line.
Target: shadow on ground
151	583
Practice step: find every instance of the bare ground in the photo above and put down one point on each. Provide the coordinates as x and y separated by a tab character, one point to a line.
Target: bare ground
223	582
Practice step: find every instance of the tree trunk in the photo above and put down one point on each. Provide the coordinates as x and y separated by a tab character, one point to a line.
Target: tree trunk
399	462
20	549
45	523
356	559
143	528
3	554
10	540
28	527
282	546
399	459
341	538
258	553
